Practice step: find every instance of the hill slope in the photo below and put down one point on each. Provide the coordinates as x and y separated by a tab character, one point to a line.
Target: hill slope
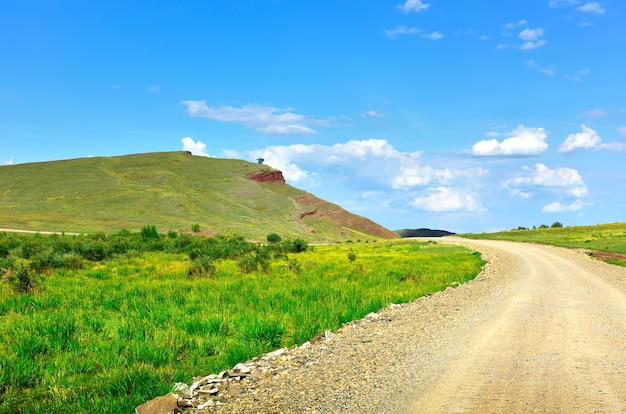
172	191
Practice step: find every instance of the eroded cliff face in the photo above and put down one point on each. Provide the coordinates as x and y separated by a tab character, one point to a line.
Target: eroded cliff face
268	176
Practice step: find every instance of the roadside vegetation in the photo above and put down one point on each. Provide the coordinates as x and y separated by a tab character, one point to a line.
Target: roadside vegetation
604	241
101	323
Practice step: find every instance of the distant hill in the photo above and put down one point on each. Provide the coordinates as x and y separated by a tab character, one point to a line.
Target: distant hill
423	233
173	191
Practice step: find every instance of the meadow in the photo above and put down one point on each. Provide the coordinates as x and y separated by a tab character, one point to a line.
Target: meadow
600	240
102	323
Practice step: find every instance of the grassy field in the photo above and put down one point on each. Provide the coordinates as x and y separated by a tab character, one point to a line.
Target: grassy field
171	190
599	240
109	334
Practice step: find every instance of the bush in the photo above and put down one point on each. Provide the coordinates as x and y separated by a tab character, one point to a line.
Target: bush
22	277
202	267
195	228
351	256
556	225
296	246
274	238
149	232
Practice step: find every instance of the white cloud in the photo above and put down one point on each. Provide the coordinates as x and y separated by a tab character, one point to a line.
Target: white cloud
594	113
530	34
622	131
513	25
264	119
401	31
566	181
413	6
373	114
557	207
588	139
524	141
196	148
562	3
532	38
549	71
578	76
592	7
404	31
434	35
447	199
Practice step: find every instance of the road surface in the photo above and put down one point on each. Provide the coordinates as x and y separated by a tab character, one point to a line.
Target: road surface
556	344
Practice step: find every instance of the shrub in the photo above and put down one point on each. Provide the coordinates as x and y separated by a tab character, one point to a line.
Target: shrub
296	246
149	232
195	228
351	256
247	264
556	225
202	267
274	238
22	277
95	250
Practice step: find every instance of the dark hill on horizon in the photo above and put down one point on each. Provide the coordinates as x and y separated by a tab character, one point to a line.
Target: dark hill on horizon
423	233
172	191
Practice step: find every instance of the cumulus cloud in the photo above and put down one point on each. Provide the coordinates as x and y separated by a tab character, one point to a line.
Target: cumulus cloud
592	7
196	148
264	119
404	31
532	39
373	114
587	139
565	181
524	141
447	199
413	6
557	207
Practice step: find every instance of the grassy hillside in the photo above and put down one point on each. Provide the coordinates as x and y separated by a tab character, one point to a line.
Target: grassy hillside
172	191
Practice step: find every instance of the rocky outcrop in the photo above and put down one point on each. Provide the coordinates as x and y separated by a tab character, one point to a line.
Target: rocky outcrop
268	176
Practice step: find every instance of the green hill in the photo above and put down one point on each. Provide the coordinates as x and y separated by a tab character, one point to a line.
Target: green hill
172	191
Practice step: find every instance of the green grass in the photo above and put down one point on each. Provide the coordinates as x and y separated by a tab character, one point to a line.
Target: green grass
173	191
115	333
602	237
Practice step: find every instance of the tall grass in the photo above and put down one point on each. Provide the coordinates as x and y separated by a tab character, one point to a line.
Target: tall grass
114	333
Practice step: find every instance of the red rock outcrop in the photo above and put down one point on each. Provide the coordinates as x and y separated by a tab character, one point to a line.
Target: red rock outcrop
268	176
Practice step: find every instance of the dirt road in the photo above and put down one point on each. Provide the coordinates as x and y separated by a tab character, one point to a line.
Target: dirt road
556	343
541	330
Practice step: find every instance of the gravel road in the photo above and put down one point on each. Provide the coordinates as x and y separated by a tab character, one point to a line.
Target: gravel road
542	329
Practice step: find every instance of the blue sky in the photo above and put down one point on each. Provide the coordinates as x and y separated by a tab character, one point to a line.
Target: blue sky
462	115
